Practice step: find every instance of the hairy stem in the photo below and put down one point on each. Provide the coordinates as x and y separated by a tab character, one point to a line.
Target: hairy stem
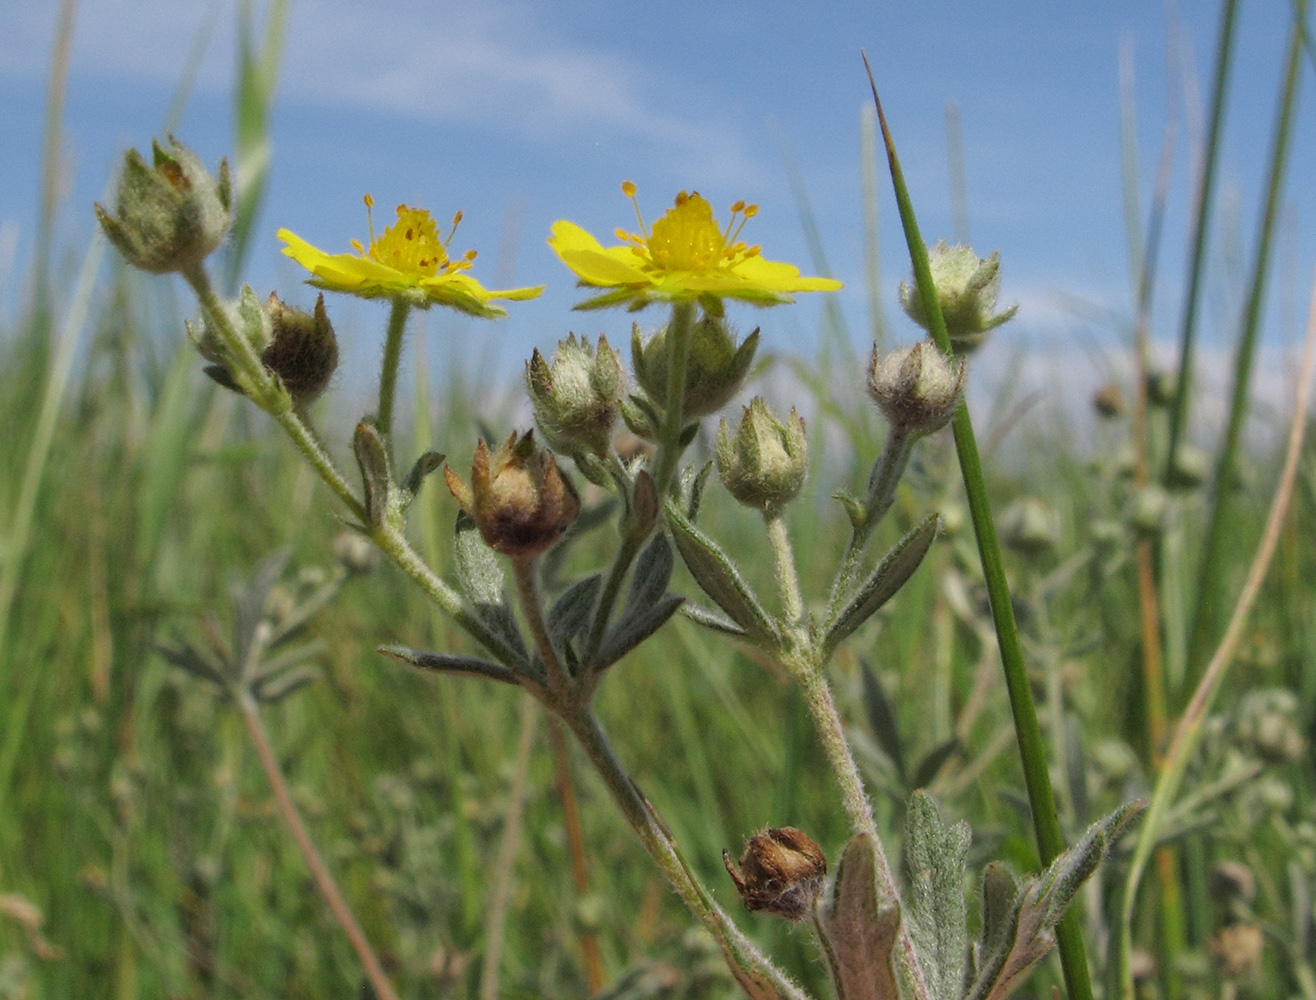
324	881
679	332
388	371
270	398
859	811
783	565
882	483
751	968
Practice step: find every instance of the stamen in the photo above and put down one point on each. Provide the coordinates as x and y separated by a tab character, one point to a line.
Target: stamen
370	218
628	189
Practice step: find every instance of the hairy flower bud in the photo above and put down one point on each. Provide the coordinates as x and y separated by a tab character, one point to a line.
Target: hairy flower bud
171	215
714	369
781	872
765	463
519	498
578	396
304	351
917	388
967	287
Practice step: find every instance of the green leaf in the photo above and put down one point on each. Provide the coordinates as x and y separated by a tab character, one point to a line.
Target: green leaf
720	579
480	576
889	576
936	855
858	935
266	669
881	718
446	663
187	657
634	627
691	489
931	763
570	613
1029	933
652	574
427	463
709	618
279	687
249	599
376	476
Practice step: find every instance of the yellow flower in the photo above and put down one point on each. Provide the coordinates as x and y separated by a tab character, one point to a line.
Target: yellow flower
408	261
686	257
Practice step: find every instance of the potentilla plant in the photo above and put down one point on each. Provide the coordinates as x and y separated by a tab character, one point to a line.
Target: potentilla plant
518	500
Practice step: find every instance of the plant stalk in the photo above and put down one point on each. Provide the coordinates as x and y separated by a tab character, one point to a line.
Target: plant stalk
1032	749
274	402
388	371
1208	596
324	881
679	332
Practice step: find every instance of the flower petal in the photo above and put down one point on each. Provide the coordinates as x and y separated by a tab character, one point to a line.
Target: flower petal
591	262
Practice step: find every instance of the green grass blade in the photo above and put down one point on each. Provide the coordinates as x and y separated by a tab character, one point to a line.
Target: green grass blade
258	73
872	232
1032	750
959	179
1198	238
56	90
19	534
1207	609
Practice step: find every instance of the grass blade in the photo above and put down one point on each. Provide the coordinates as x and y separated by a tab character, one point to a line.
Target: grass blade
1041	796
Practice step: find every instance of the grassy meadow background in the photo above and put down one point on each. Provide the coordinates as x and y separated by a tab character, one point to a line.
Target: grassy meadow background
140	852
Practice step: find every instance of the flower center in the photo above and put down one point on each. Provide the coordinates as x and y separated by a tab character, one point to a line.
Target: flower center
412	245
688	238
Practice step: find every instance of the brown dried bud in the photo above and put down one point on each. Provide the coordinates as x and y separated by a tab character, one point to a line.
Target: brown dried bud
1238	949
1234	880
1109	401
304	351
521	501
781	872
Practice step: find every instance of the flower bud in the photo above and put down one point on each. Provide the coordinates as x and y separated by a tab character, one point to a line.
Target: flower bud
1030	527
764	465
1149	509
171	215
354	553
781	872
1233	881
1267	723
917	388
520	500
1238	949
1108	401
967	287
304	350
1191	467
714	368
577	397
1161	389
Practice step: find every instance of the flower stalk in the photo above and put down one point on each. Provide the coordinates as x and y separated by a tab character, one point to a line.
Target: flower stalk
388	369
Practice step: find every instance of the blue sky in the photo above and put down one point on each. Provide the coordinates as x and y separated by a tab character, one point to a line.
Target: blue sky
520	113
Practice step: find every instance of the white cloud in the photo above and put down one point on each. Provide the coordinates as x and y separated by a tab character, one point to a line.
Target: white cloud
496	64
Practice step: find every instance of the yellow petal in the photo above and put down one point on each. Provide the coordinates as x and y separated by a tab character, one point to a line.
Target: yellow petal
590	261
